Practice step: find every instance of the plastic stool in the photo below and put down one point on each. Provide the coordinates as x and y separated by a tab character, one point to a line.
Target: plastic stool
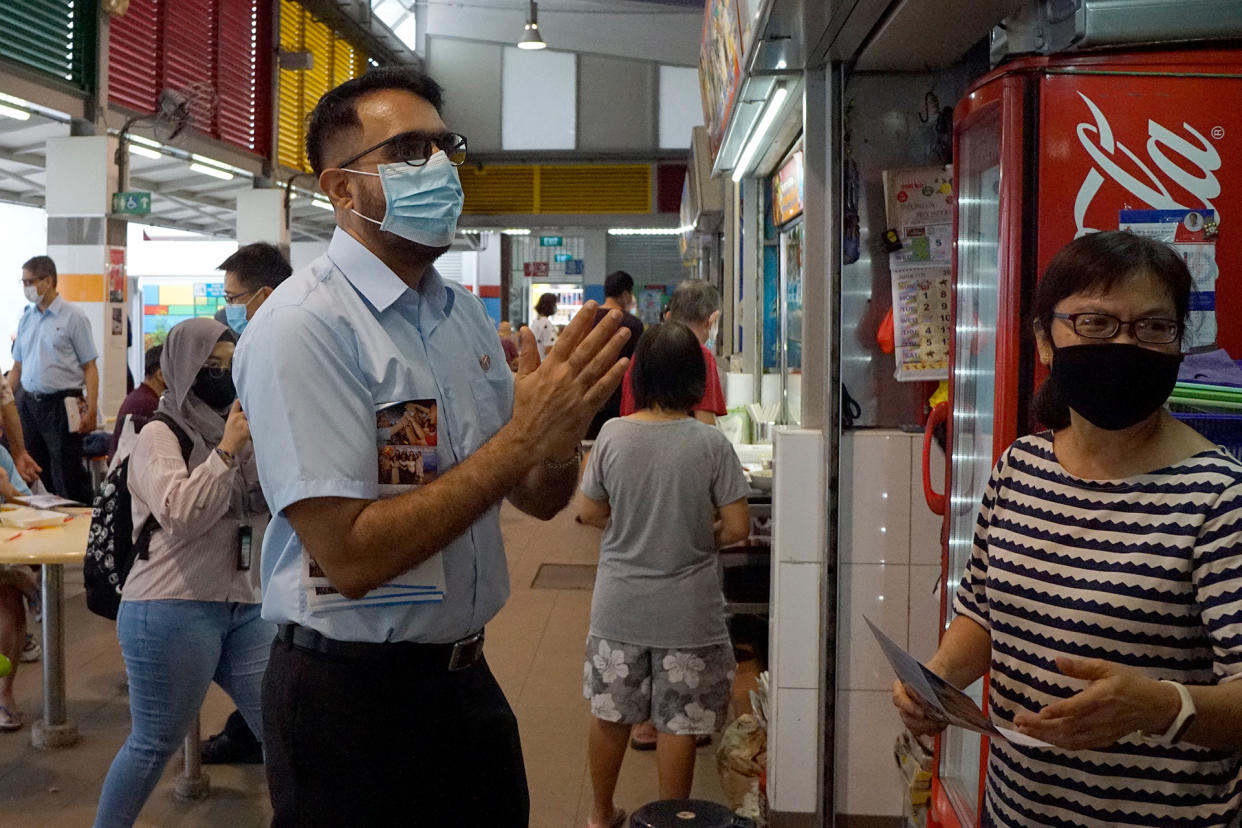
687	813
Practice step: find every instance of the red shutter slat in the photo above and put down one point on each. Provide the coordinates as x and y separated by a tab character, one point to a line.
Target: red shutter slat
133	56
237	78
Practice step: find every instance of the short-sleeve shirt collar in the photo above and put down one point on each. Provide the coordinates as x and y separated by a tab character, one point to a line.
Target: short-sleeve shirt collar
376	281
54	309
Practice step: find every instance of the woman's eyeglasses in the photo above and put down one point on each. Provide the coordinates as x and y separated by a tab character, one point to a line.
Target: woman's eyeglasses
1152	329
415	148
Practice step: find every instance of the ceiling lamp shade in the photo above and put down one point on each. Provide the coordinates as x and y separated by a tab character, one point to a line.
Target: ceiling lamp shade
531	38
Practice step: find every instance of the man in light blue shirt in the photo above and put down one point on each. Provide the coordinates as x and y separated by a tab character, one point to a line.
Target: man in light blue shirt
54	359
388	428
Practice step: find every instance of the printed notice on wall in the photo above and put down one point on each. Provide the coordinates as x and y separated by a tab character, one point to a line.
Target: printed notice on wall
919	204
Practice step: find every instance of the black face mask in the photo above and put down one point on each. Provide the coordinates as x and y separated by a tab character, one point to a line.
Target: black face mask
1114	386
217	392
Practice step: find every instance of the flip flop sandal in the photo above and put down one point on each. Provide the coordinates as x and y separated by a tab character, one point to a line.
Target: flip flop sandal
9	721
618	818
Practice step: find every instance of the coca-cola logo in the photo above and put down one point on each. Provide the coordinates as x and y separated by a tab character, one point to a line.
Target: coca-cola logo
1173	155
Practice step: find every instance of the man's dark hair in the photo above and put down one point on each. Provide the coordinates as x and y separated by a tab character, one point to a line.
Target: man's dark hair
668	368
41	267
617	283
151	362
257	265
337	110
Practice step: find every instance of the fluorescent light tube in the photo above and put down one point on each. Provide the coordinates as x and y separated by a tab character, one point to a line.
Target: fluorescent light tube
760	133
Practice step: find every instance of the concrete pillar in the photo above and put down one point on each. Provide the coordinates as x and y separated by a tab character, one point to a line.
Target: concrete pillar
262	217
88	247
489	282
595	263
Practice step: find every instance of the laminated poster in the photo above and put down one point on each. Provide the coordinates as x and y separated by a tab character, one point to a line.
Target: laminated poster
406	441
919	206
1193	234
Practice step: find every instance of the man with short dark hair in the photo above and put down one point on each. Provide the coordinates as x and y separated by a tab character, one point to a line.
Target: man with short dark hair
140	404
618	295
54	360
250	276
387	429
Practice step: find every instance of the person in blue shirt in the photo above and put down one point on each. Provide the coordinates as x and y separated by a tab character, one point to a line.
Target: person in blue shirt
387	429
54	359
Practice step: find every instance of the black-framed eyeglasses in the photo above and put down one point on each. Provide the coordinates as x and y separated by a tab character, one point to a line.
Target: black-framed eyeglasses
234	298
35	280
415	148
217	370
1151	329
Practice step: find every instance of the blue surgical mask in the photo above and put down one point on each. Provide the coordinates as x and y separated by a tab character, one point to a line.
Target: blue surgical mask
422	203
236	316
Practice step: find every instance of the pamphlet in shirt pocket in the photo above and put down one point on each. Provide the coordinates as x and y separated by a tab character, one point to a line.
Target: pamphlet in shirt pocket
406	436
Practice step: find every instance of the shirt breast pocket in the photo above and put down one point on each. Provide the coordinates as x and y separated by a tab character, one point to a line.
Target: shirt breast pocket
493	401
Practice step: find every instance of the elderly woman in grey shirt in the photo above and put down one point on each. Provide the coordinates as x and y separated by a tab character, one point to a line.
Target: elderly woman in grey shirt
189	611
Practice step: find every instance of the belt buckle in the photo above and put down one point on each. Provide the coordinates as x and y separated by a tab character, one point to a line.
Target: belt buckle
465	652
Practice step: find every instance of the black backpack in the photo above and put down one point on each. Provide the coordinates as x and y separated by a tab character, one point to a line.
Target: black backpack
110	553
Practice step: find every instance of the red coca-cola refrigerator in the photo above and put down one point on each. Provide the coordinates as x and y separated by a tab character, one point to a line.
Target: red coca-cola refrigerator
1047	149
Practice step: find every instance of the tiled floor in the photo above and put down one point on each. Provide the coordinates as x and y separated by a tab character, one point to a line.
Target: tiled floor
534	646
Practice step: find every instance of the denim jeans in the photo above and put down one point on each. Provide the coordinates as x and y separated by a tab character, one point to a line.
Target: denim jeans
173	650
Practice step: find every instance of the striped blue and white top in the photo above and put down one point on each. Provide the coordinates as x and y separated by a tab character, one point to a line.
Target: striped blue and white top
1144	571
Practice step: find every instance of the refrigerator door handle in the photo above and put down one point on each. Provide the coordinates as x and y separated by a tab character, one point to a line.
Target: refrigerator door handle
935	500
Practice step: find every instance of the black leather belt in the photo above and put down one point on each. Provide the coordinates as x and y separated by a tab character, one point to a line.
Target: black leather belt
55	395
444	657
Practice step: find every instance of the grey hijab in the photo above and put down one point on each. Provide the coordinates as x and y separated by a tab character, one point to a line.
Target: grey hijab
187	348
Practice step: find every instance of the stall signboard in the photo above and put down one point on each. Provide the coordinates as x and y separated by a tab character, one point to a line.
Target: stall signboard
563	257
551	241
919	205
535	270
720	66
573	267
787	190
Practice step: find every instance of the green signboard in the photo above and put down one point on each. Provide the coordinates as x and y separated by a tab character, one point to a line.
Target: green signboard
564	257
550	241
133	203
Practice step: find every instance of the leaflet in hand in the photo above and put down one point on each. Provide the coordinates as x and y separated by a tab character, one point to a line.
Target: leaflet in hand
406	439
943	700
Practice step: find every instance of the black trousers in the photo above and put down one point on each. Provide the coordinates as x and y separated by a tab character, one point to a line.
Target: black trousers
45	427
365	743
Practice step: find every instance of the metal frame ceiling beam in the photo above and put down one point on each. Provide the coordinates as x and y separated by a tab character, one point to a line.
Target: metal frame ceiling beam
354	19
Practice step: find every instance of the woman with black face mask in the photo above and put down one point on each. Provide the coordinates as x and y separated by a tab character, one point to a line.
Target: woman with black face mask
189	611
1103	596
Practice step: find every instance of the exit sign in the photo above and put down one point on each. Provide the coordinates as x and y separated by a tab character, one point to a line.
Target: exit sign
564	257
134	203
550	241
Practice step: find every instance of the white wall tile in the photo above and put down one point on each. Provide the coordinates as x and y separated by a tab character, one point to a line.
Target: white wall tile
798	496
924	523
867	780
794	625
875	497
881	593
924	611
793	751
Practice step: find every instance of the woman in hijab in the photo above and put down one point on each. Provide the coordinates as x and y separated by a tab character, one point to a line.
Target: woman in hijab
189	611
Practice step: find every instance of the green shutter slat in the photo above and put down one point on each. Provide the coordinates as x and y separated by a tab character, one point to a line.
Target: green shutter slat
50	36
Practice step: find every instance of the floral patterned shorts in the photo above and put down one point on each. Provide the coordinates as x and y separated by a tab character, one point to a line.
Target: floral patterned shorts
683	691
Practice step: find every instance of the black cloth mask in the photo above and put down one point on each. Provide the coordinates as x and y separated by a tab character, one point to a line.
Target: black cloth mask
217	392
1114	386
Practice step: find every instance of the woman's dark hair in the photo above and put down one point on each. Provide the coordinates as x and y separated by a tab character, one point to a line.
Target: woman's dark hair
546	306
668	368
1097	263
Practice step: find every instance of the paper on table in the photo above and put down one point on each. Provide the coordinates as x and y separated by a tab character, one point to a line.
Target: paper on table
45	501
943	699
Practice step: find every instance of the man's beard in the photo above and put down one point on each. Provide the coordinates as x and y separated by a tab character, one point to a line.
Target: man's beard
397	246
